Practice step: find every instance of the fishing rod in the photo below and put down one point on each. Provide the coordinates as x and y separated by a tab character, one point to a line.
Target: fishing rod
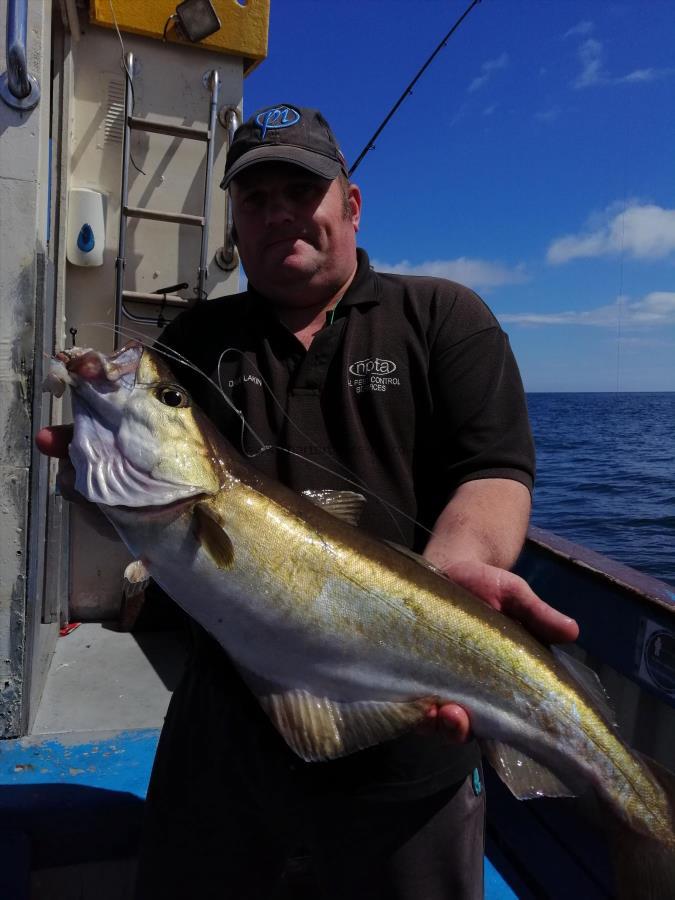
370	145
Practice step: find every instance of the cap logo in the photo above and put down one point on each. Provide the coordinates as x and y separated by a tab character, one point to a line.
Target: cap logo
277	117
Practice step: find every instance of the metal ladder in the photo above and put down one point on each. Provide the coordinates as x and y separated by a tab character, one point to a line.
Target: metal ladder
133	123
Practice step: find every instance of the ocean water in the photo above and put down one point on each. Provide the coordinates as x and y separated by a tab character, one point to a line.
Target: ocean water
606	474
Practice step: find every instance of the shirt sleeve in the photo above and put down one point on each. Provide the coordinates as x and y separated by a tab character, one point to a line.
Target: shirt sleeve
480	408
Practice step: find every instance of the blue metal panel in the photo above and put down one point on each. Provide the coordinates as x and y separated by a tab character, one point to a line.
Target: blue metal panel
76	800
120	762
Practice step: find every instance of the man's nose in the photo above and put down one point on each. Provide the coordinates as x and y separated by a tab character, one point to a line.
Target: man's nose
278	208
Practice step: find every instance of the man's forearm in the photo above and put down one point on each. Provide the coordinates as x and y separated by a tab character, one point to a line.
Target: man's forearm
484	521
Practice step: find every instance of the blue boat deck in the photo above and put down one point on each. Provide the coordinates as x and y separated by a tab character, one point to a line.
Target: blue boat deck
72	792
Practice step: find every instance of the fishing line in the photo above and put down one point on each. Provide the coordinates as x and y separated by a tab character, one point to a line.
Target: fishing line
389	508
408	91
171	353
129	79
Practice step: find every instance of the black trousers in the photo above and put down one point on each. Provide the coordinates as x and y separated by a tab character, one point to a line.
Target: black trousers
228	805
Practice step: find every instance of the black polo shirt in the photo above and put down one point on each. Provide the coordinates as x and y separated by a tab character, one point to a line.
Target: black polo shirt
409	390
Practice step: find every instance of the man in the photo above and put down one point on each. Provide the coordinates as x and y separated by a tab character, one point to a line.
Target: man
407	389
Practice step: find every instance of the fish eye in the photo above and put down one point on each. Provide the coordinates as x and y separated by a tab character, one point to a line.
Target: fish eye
171	395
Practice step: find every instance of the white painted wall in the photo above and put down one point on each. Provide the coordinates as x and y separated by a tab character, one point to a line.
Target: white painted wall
168	85
23	218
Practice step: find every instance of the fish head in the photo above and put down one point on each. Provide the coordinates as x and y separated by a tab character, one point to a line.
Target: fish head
138	438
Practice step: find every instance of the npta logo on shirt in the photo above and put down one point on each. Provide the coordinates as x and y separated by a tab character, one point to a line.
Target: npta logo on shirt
372	374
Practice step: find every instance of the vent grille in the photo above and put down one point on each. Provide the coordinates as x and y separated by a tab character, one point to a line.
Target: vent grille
113	127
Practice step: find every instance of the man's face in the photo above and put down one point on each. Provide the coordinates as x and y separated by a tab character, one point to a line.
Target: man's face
295	231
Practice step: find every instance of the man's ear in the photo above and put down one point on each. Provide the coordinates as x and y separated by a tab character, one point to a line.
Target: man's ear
355	202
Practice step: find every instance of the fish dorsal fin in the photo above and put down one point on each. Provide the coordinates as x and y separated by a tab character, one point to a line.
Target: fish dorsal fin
345	505
588	680
525	778
214	540
317	728
406	551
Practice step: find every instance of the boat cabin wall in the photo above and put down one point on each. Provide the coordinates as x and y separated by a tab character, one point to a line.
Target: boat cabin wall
170	85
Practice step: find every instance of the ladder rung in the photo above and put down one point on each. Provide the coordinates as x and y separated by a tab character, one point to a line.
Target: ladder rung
159	216
182	131
159	299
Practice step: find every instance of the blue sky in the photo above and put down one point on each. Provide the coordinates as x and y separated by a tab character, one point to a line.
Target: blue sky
535	162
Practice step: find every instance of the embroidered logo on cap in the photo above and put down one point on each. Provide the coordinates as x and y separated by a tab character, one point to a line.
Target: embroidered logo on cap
277	117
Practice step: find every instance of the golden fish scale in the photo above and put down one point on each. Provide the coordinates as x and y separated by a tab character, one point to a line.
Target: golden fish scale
301	560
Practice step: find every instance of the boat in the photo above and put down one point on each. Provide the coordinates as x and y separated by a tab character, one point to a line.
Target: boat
114	117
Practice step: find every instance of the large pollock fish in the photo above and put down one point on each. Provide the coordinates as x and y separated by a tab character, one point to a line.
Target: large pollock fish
344	640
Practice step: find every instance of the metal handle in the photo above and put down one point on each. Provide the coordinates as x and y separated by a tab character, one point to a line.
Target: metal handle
17	88
227	257
202	273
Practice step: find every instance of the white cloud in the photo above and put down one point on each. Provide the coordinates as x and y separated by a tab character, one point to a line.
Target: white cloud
487	69
548	115
643	231
590	54
655	309
641	76
593	72
480	274
581	29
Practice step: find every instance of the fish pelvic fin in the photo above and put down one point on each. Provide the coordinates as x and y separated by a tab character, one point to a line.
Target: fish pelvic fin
213	538
318	728
523	776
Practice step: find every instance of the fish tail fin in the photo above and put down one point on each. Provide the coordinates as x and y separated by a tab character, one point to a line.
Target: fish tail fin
644	866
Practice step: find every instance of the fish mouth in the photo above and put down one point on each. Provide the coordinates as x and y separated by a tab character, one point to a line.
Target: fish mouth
115	458
79	366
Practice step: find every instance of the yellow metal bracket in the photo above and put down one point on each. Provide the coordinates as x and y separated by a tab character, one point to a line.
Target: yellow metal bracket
243	31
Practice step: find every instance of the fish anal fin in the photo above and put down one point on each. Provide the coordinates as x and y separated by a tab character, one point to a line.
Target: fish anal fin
212	536
345	505
317	728
523	776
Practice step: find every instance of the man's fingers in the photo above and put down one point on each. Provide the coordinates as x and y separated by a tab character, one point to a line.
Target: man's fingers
54	439
513	596
548	624
450	720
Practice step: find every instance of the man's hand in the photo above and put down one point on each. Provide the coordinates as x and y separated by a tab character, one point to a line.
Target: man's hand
512	596
54	440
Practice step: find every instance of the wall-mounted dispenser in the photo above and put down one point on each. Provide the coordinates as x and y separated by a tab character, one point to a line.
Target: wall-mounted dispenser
86	231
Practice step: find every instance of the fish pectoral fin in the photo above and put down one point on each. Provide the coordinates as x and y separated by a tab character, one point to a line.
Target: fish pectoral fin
523	776
317	728
213	538
345	505
136	578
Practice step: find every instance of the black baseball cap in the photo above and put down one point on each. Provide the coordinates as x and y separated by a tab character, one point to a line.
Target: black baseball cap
285	133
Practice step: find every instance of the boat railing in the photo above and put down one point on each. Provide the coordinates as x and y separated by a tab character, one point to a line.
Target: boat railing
226	256
18	88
